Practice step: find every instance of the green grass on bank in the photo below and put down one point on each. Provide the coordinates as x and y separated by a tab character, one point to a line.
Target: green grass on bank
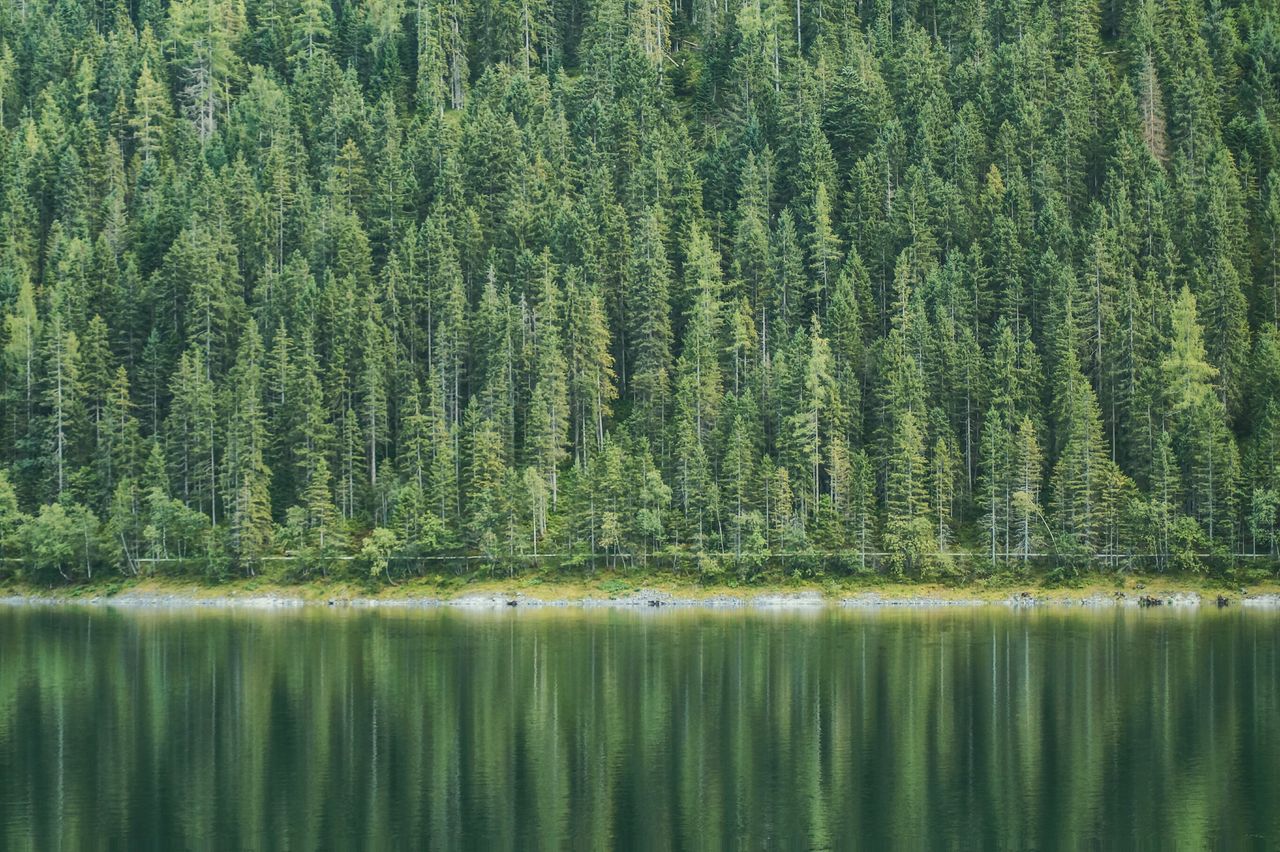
615	584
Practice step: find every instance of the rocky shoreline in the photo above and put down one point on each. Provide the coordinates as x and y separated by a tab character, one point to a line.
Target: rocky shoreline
655	600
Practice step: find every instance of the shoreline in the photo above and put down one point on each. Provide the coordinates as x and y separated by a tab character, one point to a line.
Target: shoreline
648	595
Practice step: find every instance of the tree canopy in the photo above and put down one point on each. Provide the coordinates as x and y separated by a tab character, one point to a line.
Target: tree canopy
843	286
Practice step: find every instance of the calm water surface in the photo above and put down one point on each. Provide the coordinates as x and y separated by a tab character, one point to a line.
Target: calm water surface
439	730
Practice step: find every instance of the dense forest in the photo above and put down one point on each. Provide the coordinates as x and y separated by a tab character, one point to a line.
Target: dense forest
921	287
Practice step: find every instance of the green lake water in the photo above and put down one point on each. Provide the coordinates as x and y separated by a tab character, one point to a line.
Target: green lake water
676	730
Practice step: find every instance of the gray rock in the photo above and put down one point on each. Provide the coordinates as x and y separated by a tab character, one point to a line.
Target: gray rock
800	600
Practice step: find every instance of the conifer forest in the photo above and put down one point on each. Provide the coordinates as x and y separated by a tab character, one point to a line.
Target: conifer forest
916	287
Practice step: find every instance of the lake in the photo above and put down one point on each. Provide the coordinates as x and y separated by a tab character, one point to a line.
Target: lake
593	730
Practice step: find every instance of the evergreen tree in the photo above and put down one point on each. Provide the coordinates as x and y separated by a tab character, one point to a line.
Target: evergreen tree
1026	499
824	250
811	424
375	361
1204	444
64	420
943	476
996	481
152	113
485	480
591	386
118	443
247	477
194	429
310	27
647	374
1083	461
22	333
547	430
204	34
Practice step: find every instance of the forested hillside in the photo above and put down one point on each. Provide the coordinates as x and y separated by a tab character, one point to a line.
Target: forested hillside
844	285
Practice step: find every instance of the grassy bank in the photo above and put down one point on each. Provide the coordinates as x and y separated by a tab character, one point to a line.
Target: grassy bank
613	585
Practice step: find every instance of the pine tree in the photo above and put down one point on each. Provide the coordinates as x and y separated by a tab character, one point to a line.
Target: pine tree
22	333
1204	444
203	34
442	489
1218	282
699	381
493	332
204	294
117	449
738	476
788	279
375	359
651	24
247	477
280	412
591	386
450	334
547	430
414	450
824	251
96	372
810	426
752	253
695	484
844	326
1028	461
324	529
11	517
7	67
1187	371
647	375
943	477
862	503
1165	491
310	27
194	432
310	432
995	483
485	481
152	113
1083	461
1271	247
393	183
63	401
123	530
432	40
907	527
